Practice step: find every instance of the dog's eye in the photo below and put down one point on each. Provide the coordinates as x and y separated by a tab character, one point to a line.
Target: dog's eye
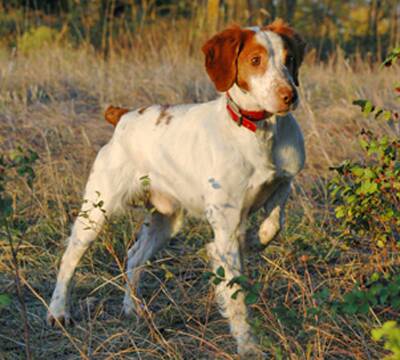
256	60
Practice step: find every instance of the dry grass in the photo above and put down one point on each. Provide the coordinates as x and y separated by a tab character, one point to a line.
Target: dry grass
52	101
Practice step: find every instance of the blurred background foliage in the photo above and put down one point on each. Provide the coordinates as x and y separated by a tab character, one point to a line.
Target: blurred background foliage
365	27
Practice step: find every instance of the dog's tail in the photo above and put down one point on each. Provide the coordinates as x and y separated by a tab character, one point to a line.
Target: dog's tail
114	113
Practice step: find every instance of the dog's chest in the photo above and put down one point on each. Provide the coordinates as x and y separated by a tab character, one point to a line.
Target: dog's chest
261	185
268	173
260	189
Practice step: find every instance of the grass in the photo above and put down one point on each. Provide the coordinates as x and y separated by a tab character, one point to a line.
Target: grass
52	100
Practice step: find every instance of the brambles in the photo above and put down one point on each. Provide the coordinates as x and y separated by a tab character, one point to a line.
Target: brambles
381	294
367	199
366	194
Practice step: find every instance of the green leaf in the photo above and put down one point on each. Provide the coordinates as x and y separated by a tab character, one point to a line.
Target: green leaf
367	187
376	289
235	294
375	277
217	281
251	298
391	58
256	288
340	212
241	280
369	173
384	296
5	300
396	303
361	103
221	272
387	115
357	171
364	308
350	309
207	275
366	106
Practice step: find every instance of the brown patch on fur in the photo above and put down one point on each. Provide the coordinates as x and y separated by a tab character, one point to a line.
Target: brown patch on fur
251	49
168	119
164	115
113	114
142	110
280	27
221	52
294	44
228	54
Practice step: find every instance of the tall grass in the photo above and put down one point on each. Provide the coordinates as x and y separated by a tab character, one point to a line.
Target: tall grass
52	100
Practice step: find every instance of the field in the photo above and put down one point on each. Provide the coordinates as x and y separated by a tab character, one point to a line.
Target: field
53	99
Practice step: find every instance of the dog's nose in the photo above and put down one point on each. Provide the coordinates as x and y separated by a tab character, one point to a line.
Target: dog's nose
287	95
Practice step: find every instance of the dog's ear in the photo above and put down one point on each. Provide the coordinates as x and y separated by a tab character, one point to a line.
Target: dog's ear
295	45
221	52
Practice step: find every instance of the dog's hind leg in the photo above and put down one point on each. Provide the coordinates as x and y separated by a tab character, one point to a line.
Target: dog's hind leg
105	192
154	234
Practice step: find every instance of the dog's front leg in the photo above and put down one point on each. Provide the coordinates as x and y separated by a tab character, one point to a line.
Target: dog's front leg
225	252
275	209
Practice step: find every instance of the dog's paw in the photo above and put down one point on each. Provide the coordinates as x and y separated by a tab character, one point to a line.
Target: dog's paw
131	308
250	349
58	318
269	229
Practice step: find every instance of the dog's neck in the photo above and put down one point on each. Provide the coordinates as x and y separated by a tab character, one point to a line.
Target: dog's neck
247	112
243	99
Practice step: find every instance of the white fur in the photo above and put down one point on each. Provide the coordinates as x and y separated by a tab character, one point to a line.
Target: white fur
264	87
201	161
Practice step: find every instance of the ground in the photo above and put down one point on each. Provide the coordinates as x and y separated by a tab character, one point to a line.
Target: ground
52	101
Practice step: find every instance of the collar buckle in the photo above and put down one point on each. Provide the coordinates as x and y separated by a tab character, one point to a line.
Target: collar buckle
240	120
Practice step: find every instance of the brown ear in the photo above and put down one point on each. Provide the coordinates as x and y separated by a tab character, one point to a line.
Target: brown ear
221	52
294	42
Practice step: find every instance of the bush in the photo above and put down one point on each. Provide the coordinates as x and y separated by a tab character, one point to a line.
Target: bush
36	39
367	202
366	193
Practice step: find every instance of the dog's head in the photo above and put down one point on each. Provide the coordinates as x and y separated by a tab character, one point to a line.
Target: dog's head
263	62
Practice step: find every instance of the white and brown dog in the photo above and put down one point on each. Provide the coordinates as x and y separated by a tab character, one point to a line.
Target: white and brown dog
218	160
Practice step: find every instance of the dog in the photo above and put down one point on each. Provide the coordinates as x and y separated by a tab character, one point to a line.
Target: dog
219	160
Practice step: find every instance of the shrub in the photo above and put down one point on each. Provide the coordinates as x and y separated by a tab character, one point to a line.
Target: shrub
367	193
36	39
367	199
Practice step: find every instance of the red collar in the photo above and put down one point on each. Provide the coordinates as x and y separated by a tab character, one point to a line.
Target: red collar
243	117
